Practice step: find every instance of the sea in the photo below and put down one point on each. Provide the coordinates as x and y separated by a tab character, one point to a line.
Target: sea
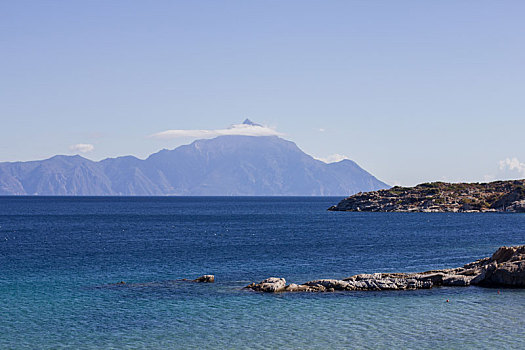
62	258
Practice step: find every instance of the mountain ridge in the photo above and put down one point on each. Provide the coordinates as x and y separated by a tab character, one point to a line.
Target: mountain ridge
231	165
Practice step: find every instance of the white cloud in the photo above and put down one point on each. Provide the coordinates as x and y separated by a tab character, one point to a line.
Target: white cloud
322	130
333	158
512	164
236	129
82	147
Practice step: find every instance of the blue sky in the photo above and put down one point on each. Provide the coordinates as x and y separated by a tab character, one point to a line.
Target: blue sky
413	91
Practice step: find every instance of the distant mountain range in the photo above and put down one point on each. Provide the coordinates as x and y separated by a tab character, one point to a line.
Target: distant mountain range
223	166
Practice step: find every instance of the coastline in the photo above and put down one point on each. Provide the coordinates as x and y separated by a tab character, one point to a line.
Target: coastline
441	197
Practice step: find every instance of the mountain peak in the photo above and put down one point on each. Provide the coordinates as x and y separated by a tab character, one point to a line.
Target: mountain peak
249	122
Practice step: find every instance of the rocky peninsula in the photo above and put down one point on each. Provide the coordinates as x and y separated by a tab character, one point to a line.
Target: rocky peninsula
497	196
505	268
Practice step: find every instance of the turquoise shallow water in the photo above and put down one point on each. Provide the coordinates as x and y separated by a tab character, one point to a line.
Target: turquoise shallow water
59	257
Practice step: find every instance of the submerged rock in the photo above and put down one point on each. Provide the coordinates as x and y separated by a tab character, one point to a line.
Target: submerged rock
506	268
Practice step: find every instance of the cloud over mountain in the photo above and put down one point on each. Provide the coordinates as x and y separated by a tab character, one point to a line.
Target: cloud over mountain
82	147
333	158
247	128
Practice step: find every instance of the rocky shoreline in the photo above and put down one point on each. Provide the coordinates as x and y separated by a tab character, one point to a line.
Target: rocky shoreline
498	196
505	268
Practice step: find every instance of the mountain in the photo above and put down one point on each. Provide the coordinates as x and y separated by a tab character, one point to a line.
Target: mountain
225	165
249	122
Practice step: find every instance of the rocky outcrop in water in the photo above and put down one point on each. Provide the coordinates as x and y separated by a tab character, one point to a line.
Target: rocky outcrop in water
205	279
272	284
505	268
166	283
498	196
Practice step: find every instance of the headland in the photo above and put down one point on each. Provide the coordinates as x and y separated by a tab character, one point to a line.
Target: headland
497	196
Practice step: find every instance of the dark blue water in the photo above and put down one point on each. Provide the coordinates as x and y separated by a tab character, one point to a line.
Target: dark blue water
59	257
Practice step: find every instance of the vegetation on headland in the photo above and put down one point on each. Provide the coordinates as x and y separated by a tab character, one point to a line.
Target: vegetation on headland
497	196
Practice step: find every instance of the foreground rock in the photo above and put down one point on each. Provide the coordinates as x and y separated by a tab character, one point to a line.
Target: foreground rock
498	196
506	268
